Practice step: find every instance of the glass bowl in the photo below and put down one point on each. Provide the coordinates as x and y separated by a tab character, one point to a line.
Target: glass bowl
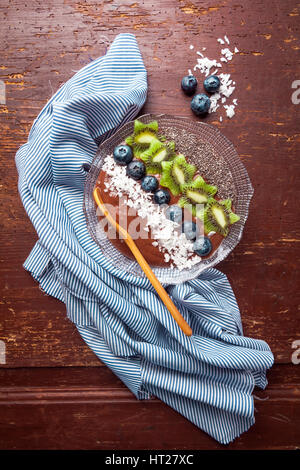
219	164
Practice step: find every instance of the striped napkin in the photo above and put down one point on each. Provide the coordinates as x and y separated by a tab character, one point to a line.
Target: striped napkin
208	377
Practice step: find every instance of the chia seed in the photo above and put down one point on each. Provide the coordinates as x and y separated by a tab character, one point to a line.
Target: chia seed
211	166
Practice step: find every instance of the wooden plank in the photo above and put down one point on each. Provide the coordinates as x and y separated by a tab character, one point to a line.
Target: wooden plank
57	405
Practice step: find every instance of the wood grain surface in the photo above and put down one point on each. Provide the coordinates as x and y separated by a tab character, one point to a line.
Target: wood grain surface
42	45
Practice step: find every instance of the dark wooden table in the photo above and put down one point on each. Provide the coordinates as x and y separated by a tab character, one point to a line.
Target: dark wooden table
54	392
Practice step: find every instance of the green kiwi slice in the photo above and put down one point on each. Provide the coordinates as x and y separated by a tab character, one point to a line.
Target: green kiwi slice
176	174
218	216
156	154
140	126
143	136
196	192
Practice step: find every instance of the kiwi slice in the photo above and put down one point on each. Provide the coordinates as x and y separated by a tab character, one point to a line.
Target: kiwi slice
156	154
176	174
218	216
142	137
196	192
139	126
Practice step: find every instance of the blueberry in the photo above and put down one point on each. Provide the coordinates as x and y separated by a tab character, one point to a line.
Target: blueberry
211	83
122	155
202	246
174	213
149	184
190	229
161	196
136	169
189	84
200	104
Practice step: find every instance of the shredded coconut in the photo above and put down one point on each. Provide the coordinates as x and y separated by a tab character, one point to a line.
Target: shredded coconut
205	64
229	110
169	240
227	53
227	86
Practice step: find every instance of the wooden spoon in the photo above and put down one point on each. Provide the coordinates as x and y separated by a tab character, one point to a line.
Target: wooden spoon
144	265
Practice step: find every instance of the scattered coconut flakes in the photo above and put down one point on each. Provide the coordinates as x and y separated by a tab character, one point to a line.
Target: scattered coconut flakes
224	92
227	53
229	110
205	64
214	102
227	86
170	241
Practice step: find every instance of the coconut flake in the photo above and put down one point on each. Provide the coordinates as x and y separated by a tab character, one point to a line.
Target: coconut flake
229	110
205	64
227	53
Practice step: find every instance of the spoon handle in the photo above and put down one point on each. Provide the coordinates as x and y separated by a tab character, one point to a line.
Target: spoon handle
145	266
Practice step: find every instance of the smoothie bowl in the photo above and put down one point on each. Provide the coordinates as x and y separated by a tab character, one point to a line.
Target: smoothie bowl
179	189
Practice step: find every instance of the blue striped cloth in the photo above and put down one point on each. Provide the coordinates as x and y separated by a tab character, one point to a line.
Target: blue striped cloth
209	377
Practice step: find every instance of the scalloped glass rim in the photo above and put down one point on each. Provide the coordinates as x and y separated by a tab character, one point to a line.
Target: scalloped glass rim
243	190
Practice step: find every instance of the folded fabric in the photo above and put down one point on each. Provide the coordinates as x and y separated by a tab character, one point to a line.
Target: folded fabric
208	377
